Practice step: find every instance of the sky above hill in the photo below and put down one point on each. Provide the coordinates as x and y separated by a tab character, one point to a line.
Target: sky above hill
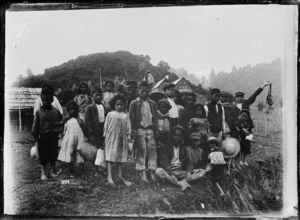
196	38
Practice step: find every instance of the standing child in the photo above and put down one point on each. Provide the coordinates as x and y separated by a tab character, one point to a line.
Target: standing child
45	130
73	137
143	118
117	132
109	94
83	99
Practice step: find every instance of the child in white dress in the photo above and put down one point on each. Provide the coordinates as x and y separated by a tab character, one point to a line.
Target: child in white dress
117	132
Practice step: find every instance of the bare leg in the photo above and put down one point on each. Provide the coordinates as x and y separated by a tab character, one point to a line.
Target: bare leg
109	175
43	177
52	171
144	176
244	159
153	177
127	183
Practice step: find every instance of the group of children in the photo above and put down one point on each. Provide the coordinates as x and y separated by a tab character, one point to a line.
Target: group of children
176	138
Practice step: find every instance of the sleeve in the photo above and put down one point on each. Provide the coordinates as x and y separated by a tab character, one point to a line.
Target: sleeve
35	126
223	118
252	98
189	167
106	123
37	105
128	125
132	114
155	117
88	120
206	110
57	104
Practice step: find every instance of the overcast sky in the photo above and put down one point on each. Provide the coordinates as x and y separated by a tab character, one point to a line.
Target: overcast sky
195	38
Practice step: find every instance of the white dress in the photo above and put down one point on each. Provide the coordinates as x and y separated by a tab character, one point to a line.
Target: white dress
73	137
116	129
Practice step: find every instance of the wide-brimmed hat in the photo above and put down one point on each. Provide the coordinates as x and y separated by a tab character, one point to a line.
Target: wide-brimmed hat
156	96
214	139
195	136
164	101
230	147
185	91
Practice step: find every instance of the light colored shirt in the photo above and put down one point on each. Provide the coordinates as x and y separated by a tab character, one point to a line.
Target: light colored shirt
107	96
239	105
146	114
173	112
101	113
38	103
175	159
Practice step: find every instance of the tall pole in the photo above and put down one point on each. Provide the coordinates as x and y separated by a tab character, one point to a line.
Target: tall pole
101	78
20	117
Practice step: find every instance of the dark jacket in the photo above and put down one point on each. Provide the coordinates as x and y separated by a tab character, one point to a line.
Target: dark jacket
215	118
94	127
165	156
135	113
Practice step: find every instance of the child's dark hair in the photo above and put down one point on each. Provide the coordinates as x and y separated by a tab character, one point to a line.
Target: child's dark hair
96	90
109	81
80	85
193	95
46	86
199	105
47	94
71	104
144	84
112	103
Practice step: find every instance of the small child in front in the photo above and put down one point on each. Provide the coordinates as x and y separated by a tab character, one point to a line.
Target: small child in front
45	130
117	132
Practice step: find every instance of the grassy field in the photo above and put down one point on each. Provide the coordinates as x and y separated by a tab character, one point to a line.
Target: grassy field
253	189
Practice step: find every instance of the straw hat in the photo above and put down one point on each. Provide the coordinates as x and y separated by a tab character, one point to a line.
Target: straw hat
214	139
230	147
195	136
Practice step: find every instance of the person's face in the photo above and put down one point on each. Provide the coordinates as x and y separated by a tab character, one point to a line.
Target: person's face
97	97
215	98
144	92
73	111
84	89
170	92
177	136
243	117
223	99
213	146
109	87
46	101
191	100
195	143
130	90
184	97
199	111
163	108
239	99
119	106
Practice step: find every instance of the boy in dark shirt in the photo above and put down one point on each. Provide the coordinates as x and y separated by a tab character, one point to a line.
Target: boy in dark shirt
45	130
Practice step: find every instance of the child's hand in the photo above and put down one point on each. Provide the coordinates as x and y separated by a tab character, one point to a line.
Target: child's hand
246	131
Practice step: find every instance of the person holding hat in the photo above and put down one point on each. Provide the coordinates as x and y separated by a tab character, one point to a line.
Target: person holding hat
164	123
143	119
131	87
242	103
169	89
243	128
174	164
215	114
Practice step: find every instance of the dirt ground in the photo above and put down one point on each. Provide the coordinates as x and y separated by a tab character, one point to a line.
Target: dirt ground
254	189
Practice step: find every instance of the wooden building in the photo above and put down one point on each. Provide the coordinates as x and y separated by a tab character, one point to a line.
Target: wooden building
180	83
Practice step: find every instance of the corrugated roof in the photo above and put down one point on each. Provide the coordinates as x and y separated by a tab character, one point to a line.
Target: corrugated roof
23	98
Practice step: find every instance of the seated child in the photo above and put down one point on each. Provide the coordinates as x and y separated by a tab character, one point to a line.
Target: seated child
73	137
199	123
174	164
164	123
45	130
117	132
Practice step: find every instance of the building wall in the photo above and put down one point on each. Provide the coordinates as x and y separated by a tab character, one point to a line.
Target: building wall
182	85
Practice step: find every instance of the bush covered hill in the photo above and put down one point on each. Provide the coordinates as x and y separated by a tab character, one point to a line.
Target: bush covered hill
249	78
119	64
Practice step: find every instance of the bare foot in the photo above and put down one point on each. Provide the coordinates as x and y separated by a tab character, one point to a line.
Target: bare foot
127	183
111	182
182	186
144	177
186	183
53	174
153	177
222	194
44	177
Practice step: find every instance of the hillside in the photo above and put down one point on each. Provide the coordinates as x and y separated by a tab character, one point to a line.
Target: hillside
249	78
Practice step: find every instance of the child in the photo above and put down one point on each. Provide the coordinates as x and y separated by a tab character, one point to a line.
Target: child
117	133
173	161
109	94
199	123
164	123
173	112
83	99
143	118
95	118
245	134
73	136
45	130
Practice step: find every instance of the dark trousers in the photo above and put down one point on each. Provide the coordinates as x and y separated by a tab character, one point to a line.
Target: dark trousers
48	147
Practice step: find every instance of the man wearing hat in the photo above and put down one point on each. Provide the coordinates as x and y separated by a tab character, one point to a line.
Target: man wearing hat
132	94
169	89
215	114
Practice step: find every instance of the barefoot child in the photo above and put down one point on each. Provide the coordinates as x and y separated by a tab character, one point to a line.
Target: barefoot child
117	133
73	136
45	130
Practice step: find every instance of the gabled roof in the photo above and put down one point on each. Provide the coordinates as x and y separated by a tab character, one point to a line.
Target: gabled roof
159	83
178	80
23	98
